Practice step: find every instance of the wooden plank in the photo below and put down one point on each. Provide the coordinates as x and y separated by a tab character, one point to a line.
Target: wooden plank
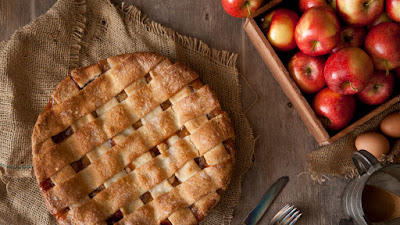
41	6
284	141
13	15
16	14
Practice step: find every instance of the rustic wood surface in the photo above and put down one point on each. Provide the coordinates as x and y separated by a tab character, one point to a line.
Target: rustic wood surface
283	141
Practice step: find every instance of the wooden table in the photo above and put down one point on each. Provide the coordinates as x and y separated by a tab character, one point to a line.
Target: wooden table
283	139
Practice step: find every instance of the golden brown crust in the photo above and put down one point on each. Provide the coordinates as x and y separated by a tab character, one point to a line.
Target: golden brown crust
199	103
111	123
64	90
84	75
201	184
95	94
183	216
201	207
130	139
212	133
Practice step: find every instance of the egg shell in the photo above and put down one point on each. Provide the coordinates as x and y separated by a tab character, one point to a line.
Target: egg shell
390	125
373	142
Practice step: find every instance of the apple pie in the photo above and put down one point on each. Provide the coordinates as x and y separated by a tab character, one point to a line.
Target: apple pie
132	139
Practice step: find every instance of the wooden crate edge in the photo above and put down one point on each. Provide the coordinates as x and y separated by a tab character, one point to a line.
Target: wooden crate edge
280	73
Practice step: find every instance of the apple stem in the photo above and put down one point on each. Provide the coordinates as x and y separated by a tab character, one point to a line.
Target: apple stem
378	86
369	2
247	4
308	70
387	67
314	45
347	38
352	87
345	85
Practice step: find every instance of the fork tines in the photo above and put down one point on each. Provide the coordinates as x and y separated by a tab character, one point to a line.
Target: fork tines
288	215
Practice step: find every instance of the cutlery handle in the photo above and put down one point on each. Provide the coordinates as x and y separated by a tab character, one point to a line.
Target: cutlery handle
258	211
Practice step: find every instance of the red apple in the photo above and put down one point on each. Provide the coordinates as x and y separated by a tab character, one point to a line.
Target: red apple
378	90
393	9
307	71
348	71
333	109
359	12
317	31
279	26
351	37
383	44
307	4
241	8
397	72
381	19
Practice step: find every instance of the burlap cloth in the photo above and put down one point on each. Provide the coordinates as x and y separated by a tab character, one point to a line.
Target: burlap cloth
78	33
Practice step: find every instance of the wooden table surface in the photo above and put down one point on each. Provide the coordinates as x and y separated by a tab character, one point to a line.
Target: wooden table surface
283	141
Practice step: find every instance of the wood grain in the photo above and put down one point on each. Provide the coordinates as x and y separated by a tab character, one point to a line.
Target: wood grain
284	139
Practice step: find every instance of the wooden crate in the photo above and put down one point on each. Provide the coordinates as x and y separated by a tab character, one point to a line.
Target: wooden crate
281	74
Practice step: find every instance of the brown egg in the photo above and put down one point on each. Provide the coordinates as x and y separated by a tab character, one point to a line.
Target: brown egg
373	142
390	126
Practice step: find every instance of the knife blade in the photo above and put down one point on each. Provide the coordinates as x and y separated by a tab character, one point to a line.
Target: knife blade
269	196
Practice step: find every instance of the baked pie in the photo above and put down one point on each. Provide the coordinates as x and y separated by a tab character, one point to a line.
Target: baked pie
132	139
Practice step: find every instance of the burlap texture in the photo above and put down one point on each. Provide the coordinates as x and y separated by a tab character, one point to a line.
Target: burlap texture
335	159
78	33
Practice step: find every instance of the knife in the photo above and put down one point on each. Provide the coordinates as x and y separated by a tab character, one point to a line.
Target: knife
269	196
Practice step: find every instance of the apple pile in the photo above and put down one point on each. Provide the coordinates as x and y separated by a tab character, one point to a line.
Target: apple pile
348	53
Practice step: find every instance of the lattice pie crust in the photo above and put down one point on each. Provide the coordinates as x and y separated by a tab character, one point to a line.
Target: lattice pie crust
133	139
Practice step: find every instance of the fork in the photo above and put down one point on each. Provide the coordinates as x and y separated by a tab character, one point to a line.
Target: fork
288	215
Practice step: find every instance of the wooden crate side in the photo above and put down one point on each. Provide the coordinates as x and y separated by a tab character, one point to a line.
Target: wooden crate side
281	74
364	119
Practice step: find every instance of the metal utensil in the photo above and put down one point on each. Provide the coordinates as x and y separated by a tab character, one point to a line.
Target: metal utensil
256	214
288	215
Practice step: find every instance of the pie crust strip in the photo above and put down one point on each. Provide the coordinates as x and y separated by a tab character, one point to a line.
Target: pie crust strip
116	194
203	183
132	147
95	94
113	122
